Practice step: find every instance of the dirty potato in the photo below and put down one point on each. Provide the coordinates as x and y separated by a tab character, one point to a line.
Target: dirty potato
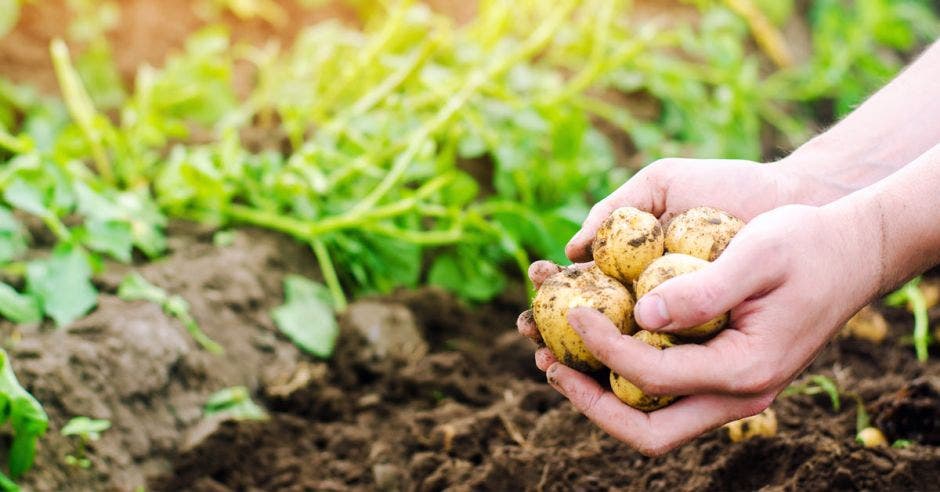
871	437
702	232
763	424
628	392
628	241
574	287
669	266
867	324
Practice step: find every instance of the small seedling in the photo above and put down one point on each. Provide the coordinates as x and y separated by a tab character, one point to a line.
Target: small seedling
88	430
235	403
910	295
134	287
902	443
817	384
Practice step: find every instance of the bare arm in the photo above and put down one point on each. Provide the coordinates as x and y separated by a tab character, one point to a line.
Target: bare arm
889	130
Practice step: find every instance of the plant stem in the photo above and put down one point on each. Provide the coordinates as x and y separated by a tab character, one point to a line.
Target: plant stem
80	106
329	274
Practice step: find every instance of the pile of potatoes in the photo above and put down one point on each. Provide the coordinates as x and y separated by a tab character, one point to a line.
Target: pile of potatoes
632	256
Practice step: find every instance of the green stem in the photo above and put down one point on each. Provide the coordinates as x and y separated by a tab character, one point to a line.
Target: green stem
329	274
921	322
80	106
421	136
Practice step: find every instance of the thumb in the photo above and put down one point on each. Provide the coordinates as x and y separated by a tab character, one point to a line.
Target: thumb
694	298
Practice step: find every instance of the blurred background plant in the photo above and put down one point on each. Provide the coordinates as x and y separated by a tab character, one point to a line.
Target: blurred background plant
416	150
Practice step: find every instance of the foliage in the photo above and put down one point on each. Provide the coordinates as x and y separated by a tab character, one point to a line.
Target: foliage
307	316
87	430
24	414
817	384
134	287
910	294
235	403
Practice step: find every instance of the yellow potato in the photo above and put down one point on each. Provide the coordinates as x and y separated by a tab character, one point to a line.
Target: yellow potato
628	392
871	437
867	324
669	266
628	241
763	424
575	288
702	232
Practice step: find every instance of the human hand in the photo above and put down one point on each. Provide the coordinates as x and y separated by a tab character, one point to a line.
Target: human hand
670	186
790	278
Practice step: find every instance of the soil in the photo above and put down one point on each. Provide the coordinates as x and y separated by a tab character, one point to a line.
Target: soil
424	392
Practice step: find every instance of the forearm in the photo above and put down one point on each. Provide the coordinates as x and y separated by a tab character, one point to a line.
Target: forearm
901	217
892	128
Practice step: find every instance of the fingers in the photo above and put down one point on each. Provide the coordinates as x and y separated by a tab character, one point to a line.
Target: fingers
640	192
544	358
724	365
697	297
541	270
525	323
658	432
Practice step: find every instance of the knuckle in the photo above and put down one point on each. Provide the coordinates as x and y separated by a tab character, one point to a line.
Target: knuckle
588	404
759	378
653	447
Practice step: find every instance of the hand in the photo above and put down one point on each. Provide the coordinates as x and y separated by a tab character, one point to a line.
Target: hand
670	186
791	278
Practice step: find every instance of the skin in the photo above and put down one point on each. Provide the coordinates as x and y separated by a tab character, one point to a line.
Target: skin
845	218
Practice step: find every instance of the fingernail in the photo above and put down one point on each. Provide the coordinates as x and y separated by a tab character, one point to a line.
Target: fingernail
574	319
577	238
651	312
551	374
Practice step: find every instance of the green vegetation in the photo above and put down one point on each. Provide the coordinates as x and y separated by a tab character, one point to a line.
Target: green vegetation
816	384
910	295
87	430
234	403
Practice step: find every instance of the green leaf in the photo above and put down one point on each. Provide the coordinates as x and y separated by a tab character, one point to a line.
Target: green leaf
829	387
307	316
26	197
112	237
902	443
88	428
464	273
7	485
12	236
62	284
18	308
26	415
135	287
236	403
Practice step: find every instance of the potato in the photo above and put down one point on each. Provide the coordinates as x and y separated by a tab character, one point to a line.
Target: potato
669	266
867	324
570	288
763	424
627	241
702	232
628	392
871	437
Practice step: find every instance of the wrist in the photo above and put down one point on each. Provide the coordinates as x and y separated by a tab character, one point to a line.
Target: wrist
817	173
859	220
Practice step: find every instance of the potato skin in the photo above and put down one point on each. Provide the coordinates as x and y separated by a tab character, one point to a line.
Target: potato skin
628	392
627	241
669	266
702	232
570	288
763	424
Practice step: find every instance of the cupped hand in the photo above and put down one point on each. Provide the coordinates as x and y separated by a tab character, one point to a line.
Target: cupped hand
665	188
671	186
790	278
